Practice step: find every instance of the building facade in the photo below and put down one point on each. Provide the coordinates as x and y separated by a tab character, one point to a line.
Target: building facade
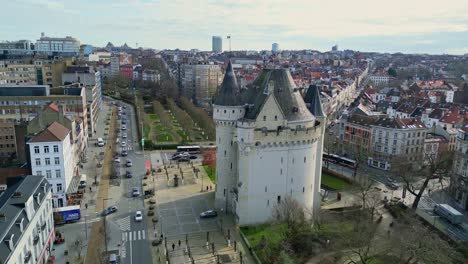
12	73
459	180
201	81
51	45
269	147
217	44
27	224
23	103
51	156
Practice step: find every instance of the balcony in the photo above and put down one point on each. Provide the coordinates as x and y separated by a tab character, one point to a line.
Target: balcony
43	226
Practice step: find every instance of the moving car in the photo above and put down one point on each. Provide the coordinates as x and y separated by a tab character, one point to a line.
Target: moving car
109	210
129	163
129	174
123	144
208	214
124	153
100	142
124	135
124	127
124	122
138	216
135	192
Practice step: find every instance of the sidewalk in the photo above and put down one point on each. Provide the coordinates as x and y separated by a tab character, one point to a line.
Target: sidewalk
73	231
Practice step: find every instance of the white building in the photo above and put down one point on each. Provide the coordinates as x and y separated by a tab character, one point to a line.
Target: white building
26	222
269	146
380	79
114	65
151	75
51	45
275	47
51	156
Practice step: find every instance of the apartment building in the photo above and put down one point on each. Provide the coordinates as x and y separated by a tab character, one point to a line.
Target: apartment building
459	180
23	103
17	73
51	156
26	221
52	45
201	82
396	137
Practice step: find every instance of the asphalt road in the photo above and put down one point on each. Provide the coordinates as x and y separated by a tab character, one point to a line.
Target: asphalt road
131	235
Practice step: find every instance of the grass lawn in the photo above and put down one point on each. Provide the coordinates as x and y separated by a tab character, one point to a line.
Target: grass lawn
272	233
164	137
333	182
146	129
160	127
153	116
211	173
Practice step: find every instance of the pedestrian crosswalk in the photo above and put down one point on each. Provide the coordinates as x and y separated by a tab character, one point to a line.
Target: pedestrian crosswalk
127	148
124	223
134	235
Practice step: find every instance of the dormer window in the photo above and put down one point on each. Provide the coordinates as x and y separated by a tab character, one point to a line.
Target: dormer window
10	242
20	224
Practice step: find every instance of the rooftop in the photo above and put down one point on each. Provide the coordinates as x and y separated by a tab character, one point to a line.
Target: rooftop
53	133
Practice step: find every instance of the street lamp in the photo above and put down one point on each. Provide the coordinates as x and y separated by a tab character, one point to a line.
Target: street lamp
105	227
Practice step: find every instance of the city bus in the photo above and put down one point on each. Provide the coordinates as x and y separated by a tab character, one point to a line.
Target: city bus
333	158
189	149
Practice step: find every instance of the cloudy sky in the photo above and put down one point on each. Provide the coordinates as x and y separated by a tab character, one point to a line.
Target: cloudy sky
411	26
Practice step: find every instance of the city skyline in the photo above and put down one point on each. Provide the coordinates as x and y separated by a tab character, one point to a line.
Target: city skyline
420	27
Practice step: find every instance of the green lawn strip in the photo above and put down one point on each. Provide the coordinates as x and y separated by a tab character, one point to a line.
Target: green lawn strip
333	182
153	116
164	138
146	130
211	172
273	235
160	127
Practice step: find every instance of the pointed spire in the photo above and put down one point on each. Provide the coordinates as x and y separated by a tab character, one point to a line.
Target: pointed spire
228	92
312	99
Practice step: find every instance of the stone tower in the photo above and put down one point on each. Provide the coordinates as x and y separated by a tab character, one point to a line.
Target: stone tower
269	146
227	109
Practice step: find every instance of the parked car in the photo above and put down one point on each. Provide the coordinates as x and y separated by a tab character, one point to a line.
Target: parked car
129	174
109	210
117	159
123	144
135	192
124	122
124	135
394	185
124	127
138	216
129	163
208	214
124	153
193	156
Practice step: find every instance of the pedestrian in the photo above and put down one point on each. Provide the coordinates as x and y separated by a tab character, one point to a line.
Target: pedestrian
211	188
161	236
206	188
173	246
86	205
179	243
90	189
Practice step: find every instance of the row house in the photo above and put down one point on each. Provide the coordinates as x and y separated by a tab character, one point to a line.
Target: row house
393	137
459	181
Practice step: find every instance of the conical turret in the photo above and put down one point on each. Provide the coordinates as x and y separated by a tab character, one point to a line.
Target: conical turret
312	99
229	92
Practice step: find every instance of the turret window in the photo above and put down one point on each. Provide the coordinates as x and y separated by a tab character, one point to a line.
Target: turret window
276	118
231	165
305	159
233	111
224	111
224	153
264	118
279	198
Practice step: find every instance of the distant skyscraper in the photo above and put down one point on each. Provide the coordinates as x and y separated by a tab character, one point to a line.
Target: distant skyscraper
275	47
217	44
335	48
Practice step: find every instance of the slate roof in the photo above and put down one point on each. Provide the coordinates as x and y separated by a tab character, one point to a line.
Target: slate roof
284	91
312	100
12	208
54	132
229	91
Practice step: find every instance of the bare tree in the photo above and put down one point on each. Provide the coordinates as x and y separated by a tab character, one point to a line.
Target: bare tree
368	195
436	166
414	242
291	213
78	245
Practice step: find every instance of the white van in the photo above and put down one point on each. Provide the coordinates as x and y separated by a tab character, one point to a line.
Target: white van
83	181
100	142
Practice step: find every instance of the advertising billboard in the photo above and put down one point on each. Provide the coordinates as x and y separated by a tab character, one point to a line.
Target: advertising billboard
67	214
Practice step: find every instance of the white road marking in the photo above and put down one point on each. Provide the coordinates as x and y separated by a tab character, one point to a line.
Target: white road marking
130	236
143	234
139	235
